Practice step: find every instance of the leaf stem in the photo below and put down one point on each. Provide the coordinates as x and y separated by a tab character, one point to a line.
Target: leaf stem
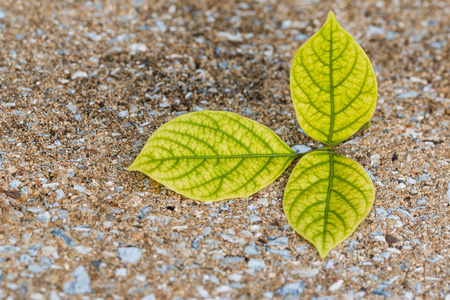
326	148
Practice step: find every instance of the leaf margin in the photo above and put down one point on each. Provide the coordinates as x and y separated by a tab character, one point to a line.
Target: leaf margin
291	155
361	120
324	252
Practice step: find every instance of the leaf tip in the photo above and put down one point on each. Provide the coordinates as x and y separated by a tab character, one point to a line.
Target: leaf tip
132	167
331	16
323	252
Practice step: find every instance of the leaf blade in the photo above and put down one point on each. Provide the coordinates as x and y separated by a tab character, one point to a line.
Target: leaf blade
333	85
322	199
213	156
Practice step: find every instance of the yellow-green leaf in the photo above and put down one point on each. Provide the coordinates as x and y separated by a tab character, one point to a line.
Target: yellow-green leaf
333	85
212	155
326	197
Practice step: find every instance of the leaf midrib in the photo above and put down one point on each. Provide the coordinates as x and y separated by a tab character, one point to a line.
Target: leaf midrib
330	135
327	205
293	155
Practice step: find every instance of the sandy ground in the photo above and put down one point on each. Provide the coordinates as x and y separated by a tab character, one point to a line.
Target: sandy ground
84	84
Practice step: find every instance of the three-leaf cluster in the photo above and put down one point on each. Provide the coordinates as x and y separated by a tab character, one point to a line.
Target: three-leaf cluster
215	155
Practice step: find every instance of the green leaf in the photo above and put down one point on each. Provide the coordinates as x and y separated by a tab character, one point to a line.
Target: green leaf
211	155
333	85
326	197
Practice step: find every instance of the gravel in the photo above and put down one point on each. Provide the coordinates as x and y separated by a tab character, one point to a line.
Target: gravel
86	83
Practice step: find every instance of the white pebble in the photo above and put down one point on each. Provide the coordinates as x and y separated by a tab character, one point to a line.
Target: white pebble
44	216
301	148
130	254
375	159
380	238
394	250
231	37
59	194
79	74
254	228
14	184
400	186
79	188
121	272
223	289
123	113
335	286
138	47
235	277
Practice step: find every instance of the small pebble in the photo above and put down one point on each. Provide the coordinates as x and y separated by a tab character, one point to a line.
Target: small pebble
82	283
202	292
44	216
409	94
79	74
231	37
130	254
79	188
123	113
139	47
121	272
336	286
292	289
301	148
256	264
14	184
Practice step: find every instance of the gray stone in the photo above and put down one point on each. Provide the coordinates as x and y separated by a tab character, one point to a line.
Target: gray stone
404	212
202	292
58	232
138	47
82	282
283	253
253	218
301	148
14	184
123	113
329	264
4	249
235	277
374	30
373	178
282	241
79	74
54	296
130	254
300	37
256	264
149	297
231	37
448	192
423	177
79	188
72	108
44	216
251	249
286	24
26	259
306	273
37	268
59	194
33	250
292	289
409	94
